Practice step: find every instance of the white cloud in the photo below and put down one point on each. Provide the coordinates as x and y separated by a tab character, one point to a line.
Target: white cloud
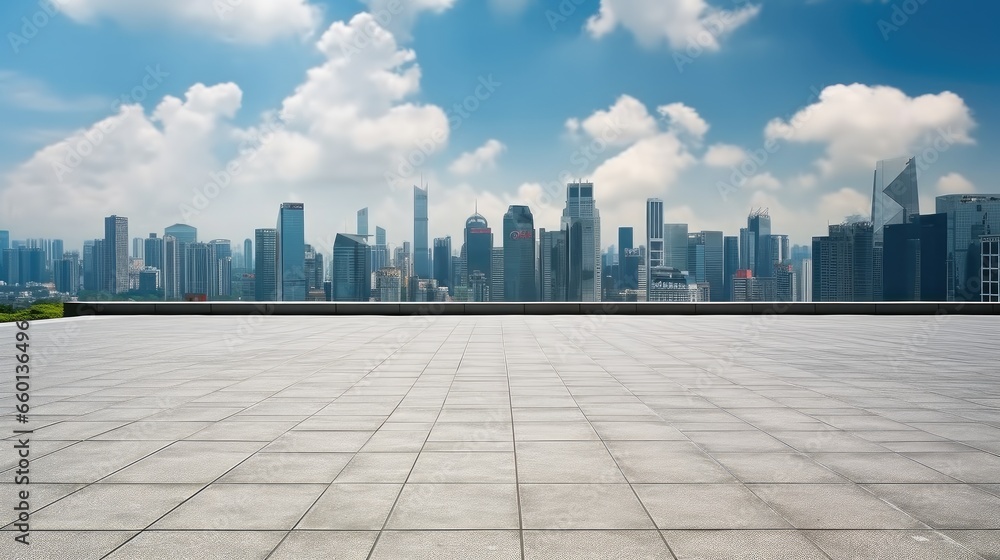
684	120
244	21
681	23
862	124
763	181
647	168
624	123
399	16
482	158
954	183
724	155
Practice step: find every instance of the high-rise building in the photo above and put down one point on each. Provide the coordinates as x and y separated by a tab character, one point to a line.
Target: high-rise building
351	268
706	261
153	251
519	255
914	259
731	263
170	277
629	259
421	251
389	284
116	254
759	232
654	235
363	222
970	217
749	288
291	252
780	249
266	264
222	275
582	219
442	261
894	200
553	264
4	239
478	247
748	250
201	271
672	285
183	233
842	263
138	249
247	254
805	273
380	253
496	275
675	246
785	283
990	272
67	273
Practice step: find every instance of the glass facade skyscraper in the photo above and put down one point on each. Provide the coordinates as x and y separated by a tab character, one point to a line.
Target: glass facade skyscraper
628	260
352	277
478	247
582	219
675	246
115	262
291	252
759	235
842	263
519	255
553	264
421	251
969	218
914	259
442	262
654	235
266	264
362	222
895	200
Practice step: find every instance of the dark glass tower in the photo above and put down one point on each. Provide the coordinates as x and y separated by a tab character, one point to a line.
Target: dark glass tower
352	264
248	254
478	247
421	252
731	263
915	259
759	230
265	264
628	260
291	252
519	255
442	263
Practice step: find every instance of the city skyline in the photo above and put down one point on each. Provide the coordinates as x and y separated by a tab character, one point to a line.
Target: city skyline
674	133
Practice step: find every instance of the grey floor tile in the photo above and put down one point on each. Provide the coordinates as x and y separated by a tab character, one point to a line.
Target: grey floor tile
352	507
318	442
666	462
448	545
742	545
322	545
188	461
623	545
638	431
890	545
776	468
880	468
566	461
944	506
707	506
89	461
484	467
975	467
582	506
378	467
210	545
832	506
984	543
455	506
112	507
261	507
554	431
84	545
289	467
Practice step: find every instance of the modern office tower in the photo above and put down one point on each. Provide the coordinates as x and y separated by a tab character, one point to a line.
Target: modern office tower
780	250
247	254
553	263
315	275
153	251
29	263
88	266
183	233
672	285
421	251
629	259
458	273
479	286
759	232
148	279
421	290
223	255
138	249
748	250
583	221
914	259
675	246
478	247
805	275
66	275
57	252
785	283
11	266
389	284
990	272
316	283
291	252
748	288
100	270
170	274
969	218
380	253
519	255
654	235
363	222
352	266
706	261
4	239
730	264
695	263
842	263
201	271
443	261
115	262
266	264
496	275
894	200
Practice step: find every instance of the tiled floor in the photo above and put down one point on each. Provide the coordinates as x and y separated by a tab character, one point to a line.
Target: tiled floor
510	437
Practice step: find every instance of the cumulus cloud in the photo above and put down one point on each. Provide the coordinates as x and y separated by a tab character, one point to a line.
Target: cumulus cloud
861	124
482	158
624	123
244	21
399	16
764	181
724	155
684	120
955	183
679	23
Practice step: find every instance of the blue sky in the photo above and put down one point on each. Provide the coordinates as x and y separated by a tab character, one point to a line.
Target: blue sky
351	119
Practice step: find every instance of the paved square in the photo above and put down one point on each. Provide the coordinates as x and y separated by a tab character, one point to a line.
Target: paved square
510	437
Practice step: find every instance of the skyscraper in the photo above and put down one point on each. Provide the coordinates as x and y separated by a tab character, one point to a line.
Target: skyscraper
201	267
247	254
442	261
914	259
363	222
706	261
628	260
138	249
894	200
171	274
969	218
153	251
265	264
748	250
478	247
182	232
759	231
842	263
496	275
675	246
654	235
582	219
389	284
519	255
116	254
731	263
421	252
553	264
222	266
352	266
990	272
380	253
4	239
291	252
